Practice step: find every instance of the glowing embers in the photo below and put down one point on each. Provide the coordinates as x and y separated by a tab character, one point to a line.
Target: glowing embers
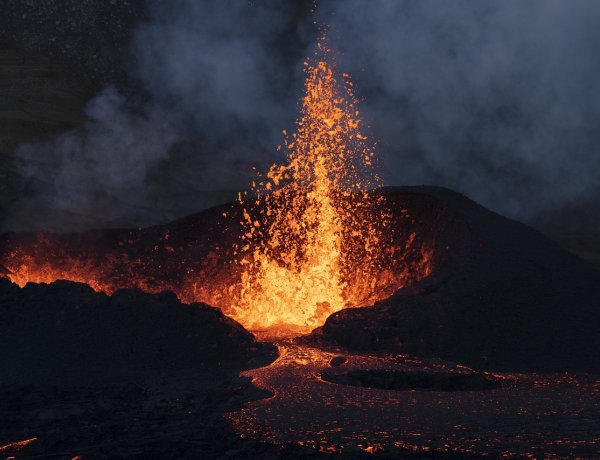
46	261
315	236
288	298
316	243
17	446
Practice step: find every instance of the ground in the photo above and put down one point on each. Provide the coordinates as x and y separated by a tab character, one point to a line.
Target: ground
290	411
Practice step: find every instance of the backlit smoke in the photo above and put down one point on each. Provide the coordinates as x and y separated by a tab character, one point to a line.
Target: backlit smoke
218	85
499	100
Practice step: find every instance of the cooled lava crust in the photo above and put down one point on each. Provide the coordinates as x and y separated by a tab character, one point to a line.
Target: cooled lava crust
501	296
68	335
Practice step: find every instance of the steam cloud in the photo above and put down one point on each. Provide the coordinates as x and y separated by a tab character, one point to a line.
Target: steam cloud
498	100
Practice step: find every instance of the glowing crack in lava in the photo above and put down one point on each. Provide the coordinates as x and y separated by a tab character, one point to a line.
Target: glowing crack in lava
310	236
313	236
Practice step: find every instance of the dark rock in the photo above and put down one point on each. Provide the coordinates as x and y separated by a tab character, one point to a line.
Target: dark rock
501	296
394	380
337	361
66	334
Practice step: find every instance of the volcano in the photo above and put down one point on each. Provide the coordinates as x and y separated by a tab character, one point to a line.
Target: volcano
499	297
496	294
320	313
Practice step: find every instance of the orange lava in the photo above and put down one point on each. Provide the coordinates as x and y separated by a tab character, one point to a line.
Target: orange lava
312	237
17	445
311	250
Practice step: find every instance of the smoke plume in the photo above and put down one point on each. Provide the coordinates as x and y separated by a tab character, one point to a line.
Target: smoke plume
498	100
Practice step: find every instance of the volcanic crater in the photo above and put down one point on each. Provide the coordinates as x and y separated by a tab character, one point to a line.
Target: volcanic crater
196	257
487	291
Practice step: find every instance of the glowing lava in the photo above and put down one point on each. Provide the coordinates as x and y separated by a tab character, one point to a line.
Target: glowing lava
315	235
310	234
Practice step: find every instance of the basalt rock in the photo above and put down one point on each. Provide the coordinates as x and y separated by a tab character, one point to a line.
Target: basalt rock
501	296
65	334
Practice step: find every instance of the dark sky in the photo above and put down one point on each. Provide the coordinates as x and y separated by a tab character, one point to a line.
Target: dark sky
499	100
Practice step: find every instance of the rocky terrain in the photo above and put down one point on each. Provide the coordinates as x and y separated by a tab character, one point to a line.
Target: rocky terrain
66	334
586	247
91	38
125	376
54	57
502	296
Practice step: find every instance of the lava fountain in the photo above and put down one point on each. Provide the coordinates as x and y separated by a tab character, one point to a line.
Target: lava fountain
312	236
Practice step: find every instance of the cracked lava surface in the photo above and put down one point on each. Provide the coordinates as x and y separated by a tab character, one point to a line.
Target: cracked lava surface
530	415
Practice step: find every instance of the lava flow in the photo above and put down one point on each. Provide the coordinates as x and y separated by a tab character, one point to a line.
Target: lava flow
313	236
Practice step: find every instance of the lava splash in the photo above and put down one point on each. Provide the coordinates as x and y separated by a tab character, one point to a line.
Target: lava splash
311	243
311	237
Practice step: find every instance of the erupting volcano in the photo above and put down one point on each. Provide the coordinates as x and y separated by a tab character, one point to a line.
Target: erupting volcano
319	313
311	237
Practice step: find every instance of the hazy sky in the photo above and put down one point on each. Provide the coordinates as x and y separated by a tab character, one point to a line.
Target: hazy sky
499	100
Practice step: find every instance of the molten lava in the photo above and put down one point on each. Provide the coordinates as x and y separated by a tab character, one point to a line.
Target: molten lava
313	236
310	244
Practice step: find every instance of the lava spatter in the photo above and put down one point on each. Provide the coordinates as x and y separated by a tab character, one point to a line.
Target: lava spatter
316	243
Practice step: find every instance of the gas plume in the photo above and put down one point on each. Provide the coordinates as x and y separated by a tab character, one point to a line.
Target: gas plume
498	100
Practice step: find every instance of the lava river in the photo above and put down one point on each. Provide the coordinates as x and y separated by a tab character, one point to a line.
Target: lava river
504	415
